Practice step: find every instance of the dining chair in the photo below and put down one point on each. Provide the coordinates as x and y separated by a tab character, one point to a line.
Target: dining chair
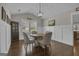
46	41
27	41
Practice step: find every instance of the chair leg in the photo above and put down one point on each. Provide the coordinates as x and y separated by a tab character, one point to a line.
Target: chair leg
44	50
29	46
26	49
32	46
50	49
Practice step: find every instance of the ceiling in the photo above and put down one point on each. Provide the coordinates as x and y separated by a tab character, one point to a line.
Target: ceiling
48	9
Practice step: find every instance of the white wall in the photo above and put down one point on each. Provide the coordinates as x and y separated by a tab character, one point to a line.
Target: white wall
5	32
5	37
62	18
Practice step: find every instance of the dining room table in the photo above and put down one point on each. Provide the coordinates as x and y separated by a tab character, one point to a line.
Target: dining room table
37	36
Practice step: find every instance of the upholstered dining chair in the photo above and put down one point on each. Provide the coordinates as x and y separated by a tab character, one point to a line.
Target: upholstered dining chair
27	41
46	41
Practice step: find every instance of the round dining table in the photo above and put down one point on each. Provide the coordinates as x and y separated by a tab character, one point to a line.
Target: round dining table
37	37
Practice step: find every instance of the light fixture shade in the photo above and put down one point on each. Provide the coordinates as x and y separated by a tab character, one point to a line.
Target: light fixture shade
40	14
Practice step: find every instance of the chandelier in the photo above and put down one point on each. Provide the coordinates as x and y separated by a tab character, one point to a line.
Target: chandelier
40	14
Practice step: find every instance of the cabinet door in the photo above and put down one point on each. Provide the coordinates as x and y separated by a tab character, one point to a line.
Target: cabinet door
75	19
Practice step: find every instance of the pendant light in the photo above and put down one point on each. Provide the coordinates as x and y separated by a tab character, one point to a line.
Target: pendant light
40	14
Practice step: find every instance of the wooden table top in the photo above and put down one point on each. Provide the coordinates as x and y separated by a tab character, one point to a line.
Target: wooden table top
37	35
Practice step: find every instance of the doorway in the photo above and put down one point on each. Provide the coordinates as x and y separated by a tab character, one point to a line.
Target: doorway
14	31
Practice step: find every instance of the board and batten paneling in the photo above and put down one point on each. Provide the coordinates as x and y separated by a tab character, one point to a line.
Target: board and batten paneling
62	33
5	37
58	33
51	29
68	35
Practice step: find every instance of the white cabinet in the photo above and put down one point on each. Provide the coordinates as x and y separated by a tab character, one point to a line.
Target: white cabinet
75	18
75	21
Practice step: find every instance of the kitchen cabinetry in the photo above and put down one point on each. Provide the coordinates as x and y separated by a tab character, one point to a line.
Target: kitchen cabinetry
75	24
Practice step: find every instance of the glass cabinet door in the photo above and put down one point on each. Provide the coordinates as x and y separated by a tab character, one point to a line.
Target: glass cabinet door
75	21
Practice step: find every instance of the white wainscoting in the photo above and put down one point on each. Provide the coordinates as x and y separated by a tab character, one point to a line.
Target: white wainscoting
5	37
62	33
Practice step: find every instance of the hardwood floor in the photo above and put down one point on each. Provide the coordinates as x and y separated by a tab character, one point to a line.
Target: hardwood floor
76	47
57	49
76	43
17	49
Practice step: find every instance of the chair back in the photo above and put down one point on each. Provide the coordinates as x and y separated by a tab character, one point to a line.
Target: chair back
48	36
26	39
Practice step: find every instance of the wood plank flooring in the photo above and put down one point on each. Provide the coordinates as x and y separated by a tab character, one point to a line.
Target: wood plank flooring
57	49
76	47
